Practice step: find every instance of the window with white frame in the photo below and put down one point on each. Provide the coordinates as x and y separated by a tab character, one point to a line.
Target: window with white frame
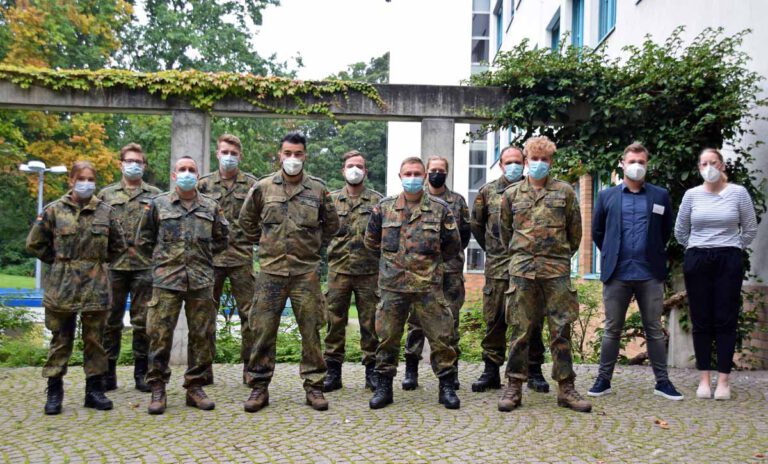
481	35
478	162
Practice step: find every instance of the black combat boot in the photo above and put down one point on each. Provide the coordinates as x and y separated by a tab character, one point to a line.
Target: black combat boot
94	394
456	383
488	379
411	379
447	396
333	376
139	374
370	376
55	392
110	378
536	380
383	394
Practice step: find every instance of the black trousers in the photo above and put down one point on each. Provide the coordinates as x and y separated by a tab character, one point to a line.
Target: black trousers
713	278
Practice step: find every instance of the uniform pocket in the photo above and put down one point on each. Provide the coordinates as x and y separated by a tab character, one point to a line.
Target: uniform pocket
274	210
203	225
429	243
390	235
170	226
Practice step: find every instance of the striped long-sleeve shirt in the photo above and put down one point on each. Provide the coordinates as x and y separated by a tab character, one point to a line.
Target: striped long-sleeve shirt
708	220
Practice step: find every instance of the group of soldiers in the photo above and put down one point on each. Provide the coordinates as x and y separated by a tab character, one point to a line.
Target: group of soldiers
401	256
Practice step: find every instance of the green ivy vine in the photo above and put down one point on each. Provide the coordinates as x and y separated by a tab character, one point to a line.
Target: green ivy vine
201	89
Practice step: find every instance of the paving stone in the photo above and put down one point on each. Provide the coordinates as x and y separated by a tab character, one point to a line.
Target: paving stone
414	429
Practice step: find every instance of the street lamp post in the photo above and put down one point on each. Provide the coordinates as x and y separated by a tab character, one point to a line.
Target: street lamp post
39	168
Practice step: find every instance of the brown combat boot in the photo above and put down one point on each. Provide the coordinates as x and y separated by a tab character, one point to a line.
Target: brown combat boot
158	402
197	398
316	399
258	399
568	397
512	396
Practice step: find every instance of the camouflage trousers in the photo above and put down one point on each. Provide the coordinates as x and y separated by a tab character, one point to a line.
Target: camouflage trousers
308	306
340	289
494	342
529	301
162	316
436	319
242	285
137	284
453	290
63	326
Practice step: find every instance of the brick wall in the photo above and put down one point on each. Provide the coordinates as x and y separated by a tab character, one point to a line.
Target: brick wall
473	285
585	203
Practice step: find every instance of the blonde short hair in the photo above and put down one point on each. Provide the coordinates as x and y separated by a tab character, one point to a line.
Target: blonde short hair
539	146
438	158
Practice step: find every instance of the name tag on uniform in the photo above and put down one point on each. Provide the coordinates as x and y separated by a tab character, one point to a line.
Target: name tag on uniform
658	209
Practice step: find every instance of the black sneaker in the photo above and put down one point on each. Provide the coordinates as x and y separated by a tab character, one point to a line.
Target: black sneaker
667	390
600	388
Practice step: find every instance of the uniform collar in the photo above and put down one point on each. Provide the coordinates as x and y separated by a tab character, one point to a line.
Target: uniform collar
277	178
174	198
447	196
550	185
425	206
143	187
91	205
364	195
239	178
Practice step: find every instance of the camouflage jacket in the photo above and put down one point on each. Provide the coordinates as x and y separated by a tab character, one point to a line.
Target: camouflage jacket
290	228
542	228
183	241
413	247
240	251
78	243
129	206
346	252
485	228
458	206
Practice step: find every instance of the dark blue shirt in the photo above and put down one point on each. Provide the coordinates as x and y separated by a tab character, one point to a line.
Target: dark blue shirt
632	263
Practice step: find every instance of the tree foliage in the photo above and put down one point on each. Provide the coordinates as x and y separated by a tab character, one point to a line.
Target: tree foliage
674	98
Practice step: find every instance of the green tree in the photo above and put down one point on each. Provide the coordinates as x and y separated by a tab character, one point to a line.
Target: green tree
197	34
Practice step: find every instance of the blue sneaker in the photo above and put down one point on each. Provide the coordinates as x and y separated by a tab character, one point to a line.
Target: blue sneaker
667	390
600	388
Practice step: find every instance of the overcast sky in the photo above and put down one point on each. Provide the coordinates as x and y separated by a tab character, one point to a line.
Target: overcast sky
328	34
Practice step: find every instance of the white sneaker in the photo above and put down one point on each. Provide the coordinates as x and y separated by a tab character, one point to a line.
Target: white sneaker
704	392
723	393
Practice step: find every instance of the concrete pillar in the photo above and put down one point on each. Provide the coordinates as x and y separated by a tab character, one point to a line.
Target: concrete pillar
190	136
680	352
437	138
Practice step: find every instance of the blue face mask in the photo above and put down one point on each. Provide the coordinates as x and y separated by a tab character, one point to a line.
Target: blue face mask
413	184
133	171
228	162
186	181
513	171
538	169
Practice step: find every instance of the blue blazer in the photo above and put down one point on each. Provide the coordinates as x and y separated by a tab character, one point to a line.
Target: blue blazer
606	229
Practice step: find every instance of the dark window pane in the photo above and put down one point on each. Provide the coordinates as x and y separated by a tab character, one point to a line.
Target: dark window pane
471	198
476	178
479	50
481	25
477	156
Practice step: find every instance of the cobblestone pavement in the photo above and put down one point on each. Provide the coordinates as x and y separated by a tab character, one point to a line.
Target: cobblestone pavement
414	429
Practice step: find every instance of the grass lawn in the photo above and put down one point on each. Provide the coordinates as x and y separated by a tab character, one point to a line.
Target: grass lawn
12	281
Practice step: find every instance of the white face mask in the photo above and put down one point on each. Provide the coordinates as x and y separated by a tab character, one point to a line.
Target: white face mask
84	188
634	171
710	174
292	166
354	175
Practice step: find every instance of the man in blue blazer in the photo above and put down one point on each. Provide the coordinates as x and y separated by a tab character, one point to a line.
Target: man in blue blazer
631	225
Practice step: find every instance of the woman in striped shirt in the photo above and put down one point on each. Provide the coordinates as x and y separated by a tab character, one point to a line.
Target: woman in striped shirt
716	222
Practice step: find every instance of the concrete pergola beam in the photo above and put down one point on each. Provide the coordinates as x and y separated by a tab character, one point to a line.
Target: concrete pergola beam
402	103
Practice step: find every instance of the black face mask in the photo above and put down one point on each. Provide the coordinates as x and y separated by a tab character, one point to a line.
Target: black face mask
437	179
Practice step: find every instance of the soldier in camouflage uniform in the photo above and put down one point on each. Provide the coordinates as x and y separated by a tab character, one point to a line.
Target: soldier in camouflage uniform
184	230
77	235
229	186
541	222
415	234
131	273
351	268
291	215
485	228
453	275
